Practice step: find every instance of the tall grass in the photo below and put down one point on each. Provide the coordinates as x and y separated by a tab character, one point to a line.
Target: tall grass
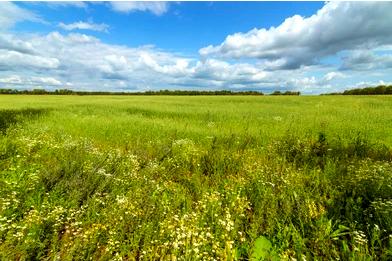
196	178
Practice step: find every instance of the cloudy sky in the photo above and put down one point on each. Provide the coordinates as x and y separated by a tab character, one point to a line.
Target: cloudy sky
312	47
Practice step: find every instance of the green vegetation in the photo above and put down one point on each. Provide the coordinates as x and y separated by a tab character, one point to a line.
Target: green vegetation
285	93
160	92
379	90
195	178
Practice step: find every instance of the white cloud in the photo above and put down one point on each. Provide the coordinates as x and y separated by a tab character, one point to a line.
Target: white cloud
10	14
361	60
77	4
13	79
13	59
332	76
10	42
303	41
157	8
363	84
225	72
30	81
303	83
179	67
85	26
84	62
46	80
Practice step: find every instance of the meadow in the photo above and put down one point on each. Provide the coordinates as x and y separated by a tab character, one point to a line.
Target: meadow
195	177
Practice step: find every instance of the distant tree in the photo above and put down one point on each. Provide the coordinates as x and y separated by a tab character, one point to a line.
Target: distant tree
292	93
160	92
64	92
378	90
7	91
285	93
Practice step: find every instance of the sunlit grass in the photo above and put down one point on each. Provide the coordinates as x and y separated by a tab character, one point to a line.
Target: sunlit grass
195	178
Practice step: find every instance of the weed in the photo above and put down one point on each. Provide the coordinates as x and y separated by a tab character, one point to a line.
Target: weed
160	180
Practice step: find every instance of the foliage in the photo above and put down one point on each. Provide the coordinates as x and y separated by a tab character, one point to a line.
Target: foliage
195	178
286	93
160	92
262	250
378	90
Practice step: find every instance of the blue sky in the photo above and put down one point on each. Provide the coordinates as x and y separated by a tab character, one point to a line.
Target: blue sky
313	47
184	27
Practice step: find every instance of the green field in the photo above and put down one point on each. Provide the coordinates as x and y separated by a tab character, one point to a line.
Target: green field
195	177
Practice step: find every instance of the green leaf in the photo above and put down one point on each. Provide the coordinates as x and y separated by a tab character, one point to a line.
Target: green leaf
341	231
262	250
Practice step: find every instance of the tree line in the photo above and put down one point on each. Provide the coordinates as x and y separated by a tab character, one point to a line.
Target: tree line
160	92
378	90
285	93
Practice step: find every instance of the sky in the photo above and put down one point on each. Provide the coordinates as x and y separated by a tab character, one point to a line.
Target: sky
311	47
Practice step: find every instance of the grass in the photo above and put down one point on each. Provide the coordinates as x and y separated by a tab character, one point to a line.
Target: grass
195	178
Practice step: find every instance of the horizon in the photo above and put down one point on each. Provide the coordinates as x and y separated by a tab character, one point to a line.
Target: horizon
195	46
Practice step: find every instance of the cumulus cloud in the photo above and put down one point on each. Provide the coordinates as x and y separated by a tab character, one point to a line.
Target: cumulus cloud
363	84
84	26
301	40
361	60
13	79
83	62
10	60
333	75
227	73
12	43
157	8
30	81
88	63
10	14
303	83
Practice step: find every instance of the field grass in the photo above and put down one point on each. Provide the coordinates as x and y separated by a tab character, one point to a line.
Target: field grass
195	178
